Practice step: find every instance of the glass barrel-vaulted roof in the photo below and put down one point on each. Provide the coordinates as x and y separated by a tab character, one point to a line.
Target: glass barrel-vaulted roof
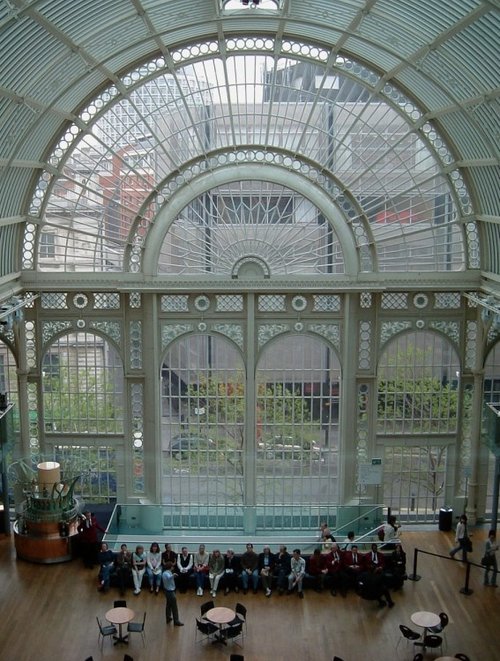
390	109
378	164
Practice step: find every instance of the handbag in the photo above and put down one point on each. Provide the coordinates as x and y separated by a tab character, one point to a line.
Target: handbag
468	544
487	560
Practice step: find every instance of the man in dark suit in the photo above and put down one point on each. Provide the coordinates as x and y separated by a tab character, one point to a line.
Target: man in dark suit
374	560
334	562
353	565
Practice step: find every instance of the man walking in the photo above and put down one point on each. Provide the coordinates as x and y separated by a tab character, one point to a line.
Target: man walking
168	581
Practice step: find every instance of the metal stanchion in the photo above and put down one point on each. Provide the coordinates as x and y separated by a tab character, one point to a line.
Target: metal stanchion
414	576
466	590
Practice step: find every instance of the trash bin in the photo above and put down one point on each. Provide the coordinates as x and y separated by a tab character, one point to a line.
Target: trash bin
445	519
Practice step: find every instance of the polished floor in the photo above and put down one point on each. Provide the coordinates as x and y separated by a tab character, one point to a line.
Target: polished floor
49	612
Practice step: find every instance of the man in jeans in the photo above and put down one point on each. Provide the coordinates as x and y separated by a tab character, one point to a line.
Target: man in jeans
168	582
298	570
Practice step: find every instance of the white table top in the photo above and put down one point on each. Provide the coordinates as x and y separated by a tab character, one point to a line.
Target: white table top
220	615
425	619
120	615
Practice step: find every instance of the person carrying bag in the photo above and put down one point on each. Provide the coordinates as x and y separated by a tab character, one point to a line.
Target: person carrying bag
489	560
462	539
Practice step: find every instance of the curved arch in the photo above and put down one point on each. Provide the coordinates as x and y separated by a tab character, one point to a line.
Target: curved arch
293	335
226	175
385	209
210	333
77	331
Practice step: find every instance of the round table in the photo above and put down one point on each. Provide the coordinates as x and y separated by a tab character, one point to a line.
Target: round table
220	615
120	616
426	620
446	658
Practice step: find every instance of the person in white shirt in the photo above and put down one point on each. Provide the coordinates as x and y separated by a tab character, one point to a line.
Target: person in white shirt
461	538
185	568
349	541
390	533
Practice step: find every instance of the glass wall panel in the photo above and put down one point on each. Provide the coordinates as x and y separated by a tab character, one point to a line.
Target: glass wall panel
414	480
203	422
82	382
418	400
417	384
492	396
298	381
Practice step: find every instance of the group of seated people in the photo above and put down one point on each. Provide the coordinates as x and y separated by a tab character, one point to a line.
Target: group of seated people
330	567
126	565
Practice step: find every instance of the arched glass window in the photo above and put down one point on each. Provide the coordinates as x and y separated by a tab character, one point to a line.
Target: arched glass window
363	145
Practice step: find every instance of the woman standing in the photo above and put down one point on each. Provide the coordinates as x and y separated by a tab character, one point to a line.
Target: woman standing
138	567
153	567
490	549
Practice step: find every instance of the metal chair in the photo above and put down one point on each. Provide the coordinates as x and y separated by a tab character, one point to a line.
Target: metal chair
233	631
444	623
106	630
433	641
440	628
408	634
120	603
208	605
241	615
205	629
138	627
